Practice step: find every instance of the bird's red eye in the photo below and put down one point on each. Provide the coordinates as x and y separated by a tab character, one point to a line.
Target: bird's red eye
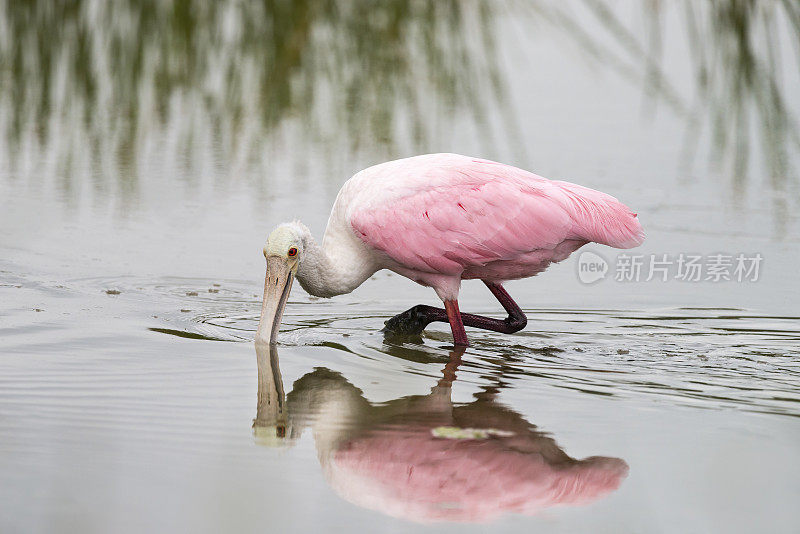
292	252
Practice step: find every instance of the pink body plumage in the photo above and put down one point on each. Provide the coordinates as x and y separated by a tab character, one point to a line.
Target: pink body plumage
441	218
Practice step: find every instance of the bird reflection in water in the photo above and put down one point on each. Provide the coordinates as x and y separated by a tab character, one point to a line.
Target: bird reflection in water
422	457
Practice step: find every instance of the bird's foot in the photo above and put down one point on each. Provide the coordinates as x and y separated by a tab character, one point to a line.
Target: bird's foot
412	321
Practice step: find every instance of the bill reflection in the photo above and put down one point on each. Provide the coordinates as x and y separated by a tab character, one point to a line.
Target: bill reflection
424	458
269	426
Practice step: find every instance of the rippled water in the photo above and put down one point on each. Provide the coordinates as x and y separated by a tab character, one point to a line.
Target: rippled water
137	185
152	383
703	357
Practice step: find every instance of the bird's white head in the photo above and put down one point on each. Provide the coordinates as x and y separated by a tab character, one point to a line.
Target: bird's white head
284	238
284	252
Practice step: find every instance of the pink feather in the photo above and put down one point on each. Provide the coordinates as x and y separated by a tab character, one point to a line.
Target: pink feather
458	216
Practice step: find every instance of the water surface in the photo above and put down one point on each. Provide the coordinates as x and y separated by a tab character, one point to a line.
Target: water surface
147	151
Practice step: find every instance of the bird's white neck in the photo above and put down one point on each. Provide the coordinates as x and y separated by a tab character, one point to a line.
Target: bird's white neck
339	266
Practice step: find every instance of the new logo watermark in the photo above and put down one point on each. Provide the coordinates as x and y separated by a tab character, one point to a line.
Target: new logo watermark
716	267
591	267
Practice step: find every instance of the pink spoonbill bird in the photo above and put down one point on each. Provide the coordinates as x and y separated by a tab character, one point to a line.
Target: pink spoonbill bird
439	219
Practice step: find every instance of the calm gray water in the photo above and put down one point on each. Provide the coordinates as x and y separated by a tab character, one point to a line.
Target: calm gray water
146	150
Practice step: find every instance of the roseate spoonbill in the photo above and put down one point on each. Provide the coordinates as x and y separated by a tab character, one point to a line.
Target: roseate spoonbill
422	457
439	219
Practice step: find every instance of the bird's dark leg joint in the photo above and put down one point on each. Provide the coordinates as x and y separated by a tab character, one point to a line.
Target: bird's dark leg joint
414	320
515	323
509	325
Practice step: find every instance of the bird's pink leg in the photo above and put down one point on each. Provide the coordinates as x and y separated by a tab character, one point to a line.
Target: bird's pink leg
456	324
414	320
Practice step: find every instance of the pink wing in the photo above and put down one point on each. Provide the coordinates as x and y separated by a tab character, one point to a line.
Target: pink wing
454	212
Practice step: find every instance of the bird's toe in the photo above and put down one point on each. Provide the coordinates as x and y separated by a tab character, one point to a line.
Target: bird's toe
411	322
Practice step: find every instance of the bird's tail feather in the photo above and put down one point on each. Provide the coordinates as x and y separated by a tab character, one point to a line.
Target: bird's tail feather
601	218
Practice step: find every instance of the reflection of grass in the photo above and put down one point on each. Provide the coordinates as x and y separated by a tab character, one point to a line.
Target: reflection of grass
735	49
349	73
736	57
94	82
